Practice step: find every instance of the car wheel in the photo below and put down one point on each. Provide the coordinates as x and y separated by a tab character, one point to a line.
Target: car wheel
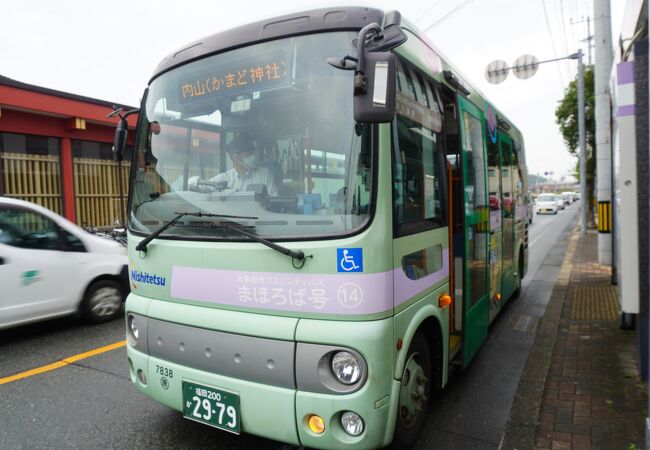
102	301
414	394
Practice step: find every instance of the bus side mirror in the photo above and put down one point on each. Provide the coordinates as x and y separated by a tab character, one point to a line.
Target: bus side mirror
375	101
121	131
374	70
119	142
374	75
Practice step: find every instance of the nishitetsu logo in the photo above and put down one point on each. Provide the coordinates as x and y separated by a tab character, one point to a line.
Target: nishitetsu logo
147	278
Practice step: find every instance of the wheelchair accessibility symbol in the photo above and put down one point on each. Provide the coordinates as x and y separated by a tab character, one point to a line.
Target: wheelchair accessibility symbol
349	259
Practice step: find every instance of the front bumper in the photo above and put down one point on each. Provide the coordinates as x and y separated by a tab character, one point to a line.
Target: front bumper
263	407
270	411
270	407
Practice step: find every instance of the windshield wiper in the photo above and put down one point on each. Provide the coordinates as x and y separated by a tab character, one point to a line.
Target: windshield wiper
142	246
299	255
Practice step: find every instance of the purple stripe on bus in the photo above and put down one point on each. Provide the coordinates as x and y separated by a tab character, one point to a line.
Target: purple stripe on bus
625	73
626	110
356	293
345	294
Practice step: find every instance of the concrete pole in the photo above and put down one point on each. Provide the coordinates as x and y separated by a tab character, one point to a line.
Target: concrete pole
602	72
581	141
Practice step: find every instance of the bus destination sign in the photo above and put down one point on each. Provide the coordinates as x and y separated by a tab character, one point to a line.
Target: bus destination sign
267	73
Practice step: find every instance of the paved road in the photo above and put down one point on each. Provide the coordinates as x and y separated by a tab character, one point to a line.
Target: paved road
92	404
473	410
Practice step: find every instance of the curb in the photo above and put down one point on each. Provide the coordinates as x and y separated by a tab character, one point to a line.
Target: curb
524	413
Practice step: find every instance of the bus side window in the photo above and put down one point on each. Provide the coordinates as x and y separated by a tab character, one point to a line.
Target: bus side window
418	163
518	194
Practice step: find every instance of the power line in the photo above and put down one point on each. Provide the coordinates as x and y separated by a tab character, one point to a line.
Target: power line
565	41
589	38
550	34
574	13
562	26
427	10
448	15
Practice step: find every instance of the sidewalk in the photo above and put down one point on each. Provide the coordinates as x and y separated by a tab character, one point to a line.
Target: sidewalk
581	387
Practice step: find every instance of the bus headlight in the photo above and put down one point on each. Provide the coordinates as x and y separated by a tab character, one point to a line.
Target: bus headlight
346	367
132	330
352	423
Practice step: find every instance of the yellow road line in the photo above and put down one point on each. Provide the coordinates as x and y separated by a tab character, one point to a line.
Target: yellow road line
62	363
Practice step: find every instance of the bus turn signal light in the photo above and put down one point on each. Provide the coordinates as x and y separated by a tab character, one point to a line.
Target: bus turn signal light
316	424
444	300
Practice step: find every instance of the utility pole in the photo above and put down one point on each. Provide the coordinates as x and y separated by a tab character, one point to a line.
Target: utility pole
602	71
581	141
589	37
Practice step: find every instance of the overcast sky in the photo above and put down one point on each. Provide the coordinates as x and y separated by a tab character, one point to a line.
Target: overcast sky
108	49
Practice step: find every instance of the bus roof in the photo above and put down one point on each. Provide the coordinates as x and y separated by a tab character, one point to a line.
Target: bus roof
304	22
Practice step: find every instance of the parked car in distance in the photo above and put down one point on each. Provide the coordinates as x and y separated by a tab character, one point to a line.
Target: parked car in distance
547	204
567	197
49	267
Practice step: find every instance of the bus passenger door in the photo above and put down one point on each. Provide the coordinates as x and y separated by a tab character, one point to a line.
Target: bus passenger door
476	229
509	203
496	220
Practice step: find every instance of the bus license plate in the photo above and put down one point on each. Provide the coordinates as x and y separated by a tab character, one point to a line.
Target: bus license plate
211	406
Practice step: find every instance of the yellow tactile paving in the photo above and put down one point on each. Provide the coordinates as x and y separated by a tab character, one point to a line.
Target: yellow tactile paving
594	302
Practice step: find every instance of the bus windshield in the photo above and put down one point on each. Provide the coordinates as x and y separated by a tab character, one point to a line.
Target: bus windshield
264	131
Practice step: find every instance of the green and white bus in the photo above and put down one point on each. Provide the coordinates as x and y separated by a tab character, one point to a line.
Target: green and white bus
383	228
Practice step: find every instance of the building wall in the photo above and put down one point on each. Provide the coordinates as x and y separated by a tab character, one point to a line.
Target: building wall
57	151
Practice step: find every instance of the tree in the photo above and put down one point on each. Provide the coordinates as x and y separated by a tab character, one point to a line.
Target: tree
566	116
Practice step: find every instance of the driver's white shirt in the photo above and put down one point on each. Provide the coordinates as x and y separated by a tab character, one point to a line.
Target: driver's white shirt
238	183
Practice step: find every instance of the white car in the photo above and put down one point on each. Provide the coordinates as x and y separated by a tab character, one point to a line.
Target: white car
547	204
567	197
49	267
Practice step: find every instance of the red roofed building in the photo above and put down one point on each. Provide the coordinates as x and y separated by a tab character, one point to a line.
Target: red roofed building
56	150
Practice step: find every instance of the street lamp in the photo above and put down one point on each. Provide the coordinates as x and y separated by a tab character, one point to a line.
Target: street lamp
525	67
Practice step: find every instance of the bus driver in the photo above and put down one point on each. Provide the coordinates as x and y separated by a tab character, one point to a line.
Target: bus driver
246	170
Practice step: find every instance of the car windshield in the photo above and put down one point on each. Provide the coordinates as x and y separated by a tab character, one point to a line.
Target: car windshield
546	198
264	131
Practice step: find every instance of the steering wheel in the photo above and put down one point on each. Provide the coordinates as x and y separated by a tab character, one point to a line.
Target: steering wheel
208	186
